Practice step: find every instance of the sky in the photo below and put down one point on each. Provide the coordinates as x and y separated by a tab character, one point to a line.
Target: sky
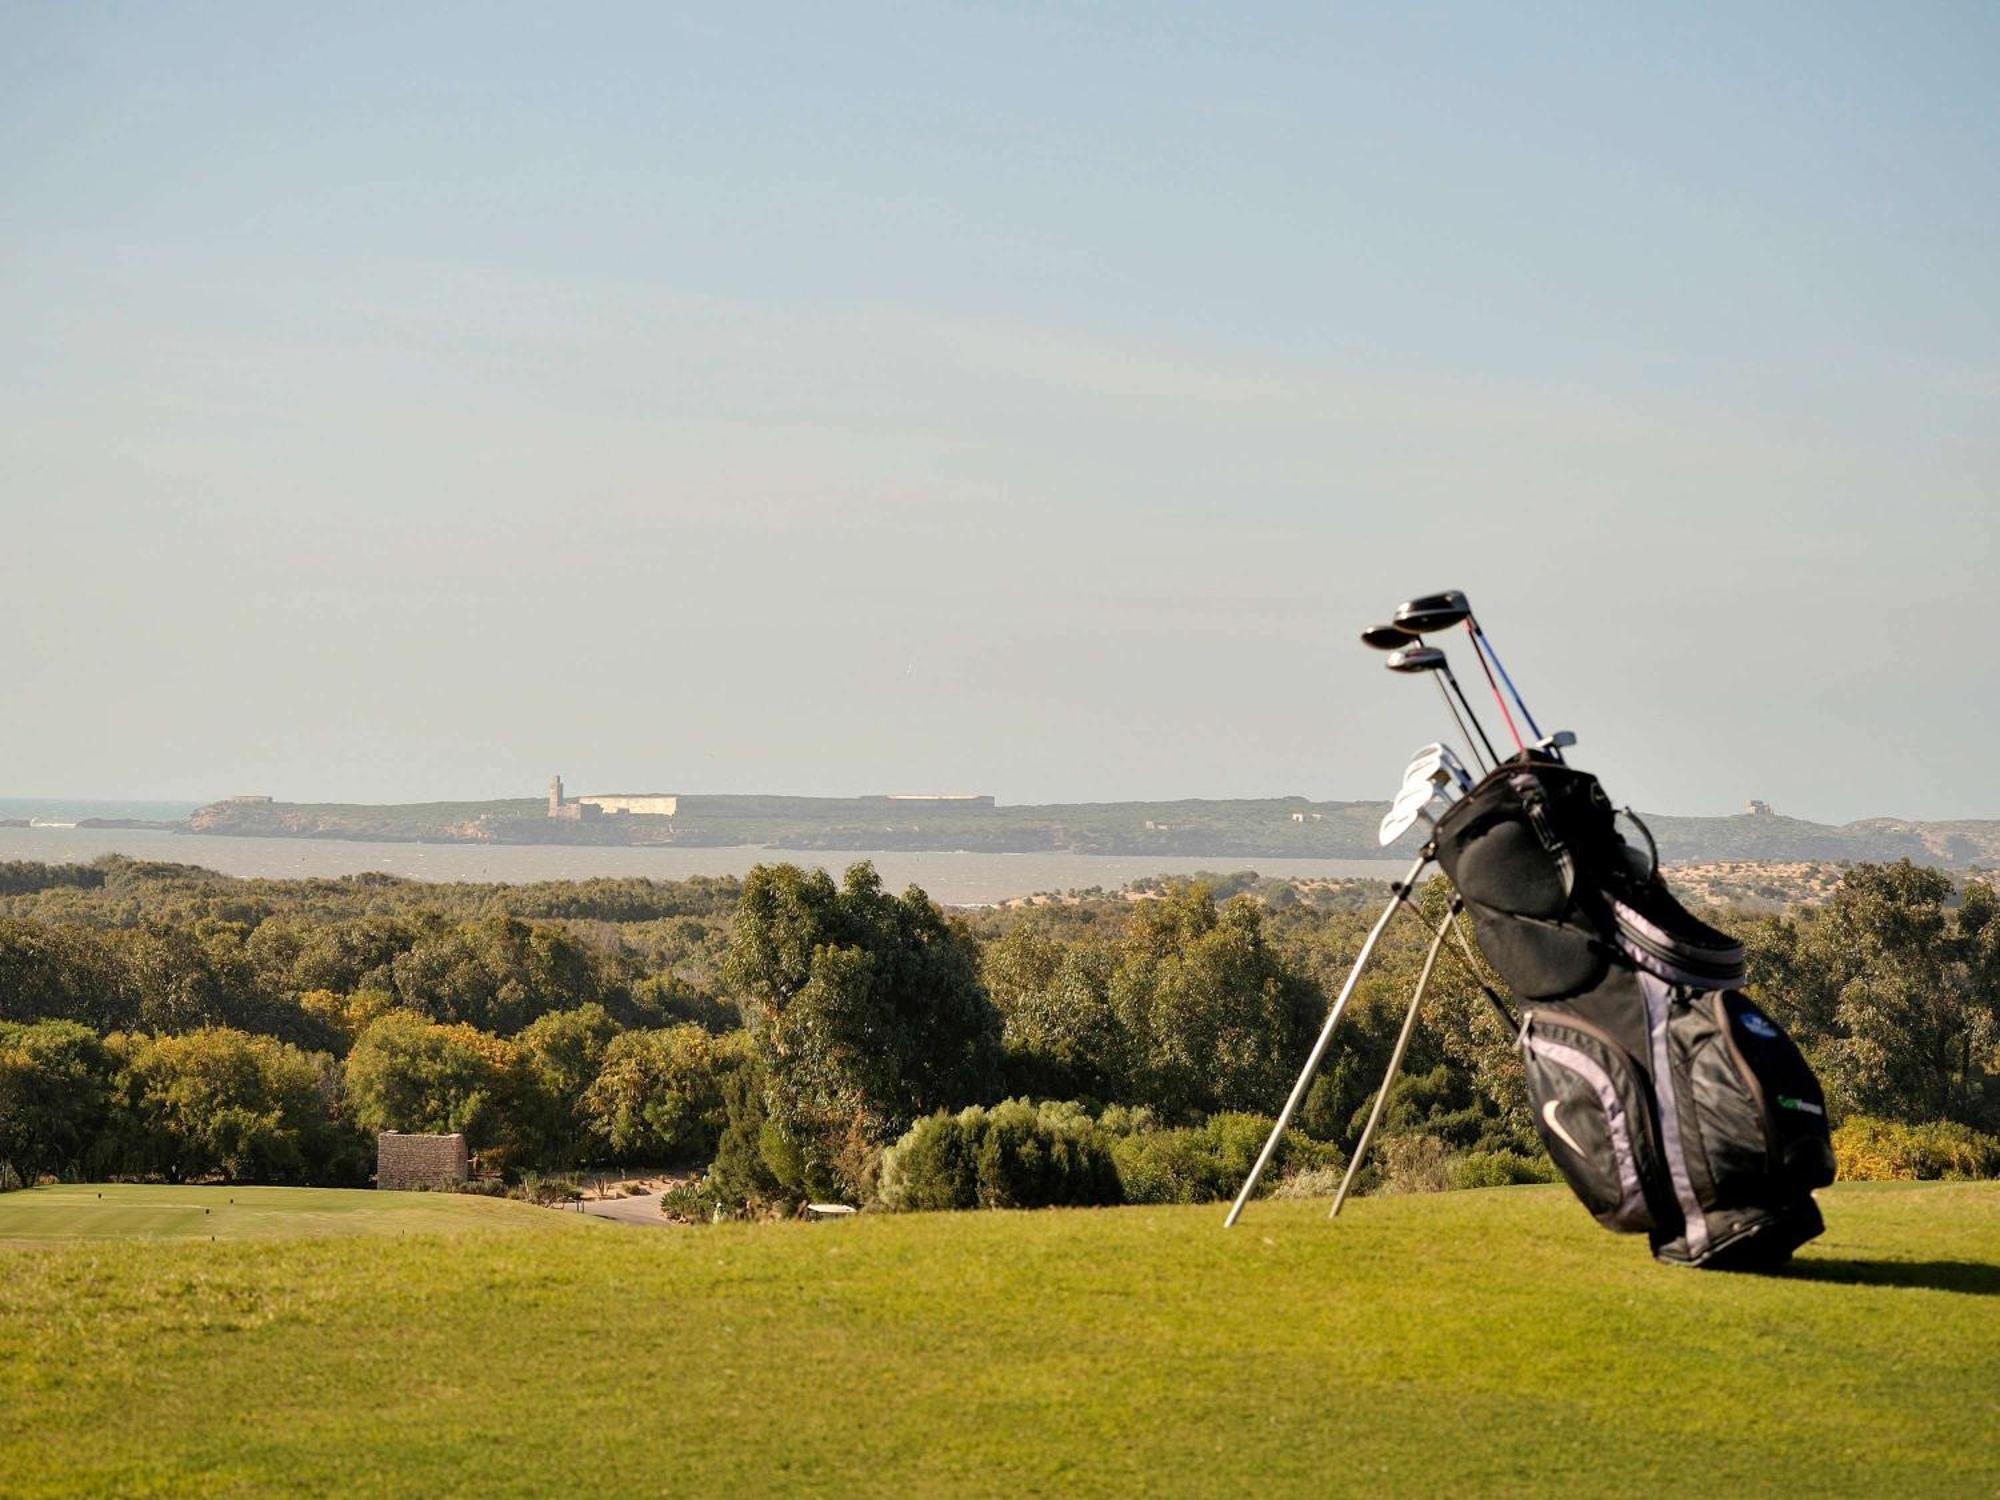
410	402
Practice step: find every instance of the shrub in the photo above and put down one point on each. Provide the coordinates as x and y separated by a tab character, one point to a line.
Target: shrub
1414	1164
1309	1182
1206	1163
483	1187
699	1202
1479	1169
1870	1150
1014	1155
535	1188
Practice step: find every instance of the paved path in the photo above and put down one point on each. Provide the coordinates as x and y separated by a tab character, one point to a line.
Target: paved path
630	1211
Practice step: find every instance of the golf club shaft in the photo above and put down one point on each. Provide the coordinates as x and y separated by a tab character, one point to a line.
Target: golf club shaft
1325	1037
1395	1059
1478	650
1500	667
1459	720
1492	756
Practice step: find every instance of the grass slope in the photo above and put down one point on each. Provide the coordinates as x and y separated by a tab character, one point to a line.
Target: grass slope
1486	1342
58	1215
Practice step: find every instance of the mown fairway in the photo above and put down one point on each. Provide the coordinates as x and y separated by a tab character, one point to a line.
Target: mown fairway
58	1215
1465	1343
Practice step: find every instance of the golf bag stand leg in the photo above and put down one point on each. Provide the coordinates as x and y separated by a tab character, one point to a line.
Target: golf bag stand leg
1325	1037
1395	1059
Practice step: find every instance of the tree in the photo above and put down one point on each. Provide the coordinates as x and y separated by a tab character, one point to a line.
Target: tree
1217	1020
1061	1036
406	1073
867	1013
562	1054
217	1101
1893	989
56	1081
658	1096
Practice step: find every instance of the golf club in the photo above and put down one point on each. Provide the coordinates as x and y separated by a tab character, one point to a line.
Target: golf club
1429	659
1388	637
1440	607
1435	758
1395	638
1441	612
1396	822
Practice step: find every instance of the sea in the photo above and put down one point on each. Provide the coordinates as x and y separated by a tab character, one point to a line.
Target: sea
953	878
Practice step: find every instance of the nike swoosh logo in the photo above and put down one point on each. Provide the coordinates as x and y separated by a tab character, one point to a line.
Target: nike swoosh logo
1549	1119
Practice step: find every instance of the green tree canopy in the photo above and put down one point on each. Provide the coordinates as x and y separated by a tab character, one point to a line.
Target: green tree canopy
658	1096
1216	1019
1894	988
867	1010
406	1073
216	1101
56	1080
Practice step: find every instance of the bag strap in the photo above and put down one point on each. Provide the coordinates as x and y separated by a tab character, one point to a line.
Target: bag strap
1535	803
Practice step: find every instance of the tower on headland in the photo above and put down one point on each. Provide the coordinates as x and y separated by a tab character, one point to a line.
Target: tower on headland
555	797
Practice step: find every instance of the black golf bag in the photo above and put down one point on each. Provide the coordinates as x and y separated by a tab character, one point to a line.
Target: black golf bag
1671	1103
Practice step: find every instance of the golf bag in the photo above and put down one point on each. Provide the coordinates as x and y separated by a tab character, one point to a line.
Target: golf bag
1671	1103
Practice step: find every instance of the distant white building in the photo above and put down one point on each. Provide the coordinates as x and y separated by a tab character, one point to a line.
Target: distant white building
1757	809
647	804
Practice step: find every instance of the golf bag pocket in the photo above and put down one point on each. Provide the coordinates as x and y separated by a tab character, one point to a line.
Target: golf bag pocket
1594	1113
1662	937
1759	1116
1505	850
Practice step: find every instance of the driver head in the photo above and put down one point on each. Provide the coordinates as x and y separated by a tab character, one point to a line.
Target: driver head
1387	637
1432	612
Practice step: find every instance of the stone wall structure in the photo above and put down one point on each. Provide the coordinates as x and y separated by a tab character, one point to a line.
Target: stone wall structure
406	1162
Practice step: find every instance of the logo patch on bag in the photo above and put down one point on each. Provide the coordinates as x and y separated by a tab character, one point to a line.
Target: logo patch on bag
1549	1118
1756	1025
1786	1101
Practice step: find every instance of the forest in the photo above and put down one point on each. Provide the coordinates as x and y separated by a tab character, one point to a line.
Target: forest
789	1037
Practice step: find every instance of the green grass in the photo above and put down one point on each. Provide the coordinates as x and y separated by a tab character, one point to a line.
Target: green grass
54	1216
1475	1343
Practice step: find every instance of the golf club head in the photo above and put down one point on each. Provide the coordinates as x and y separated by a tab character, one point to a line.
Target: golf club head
1415	794
1397	822
1431	773
1387	637
1556	743
1438	755
1432	612
1415	659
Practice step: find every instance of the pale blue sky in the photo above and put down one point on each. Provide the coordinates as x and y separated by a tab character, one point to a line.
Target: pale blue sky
839	399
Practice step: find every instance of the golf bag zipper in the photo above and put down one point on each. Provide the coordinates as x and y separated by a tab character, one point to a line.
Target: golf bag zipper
1677	962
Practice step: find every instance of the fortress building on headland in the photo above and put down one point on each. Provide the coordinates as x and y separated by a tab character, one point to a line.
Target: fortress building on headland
645	804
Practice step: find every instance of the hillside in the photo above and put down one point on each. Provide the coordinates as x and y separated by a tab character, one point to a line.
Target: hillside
1462	1343
1275	827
